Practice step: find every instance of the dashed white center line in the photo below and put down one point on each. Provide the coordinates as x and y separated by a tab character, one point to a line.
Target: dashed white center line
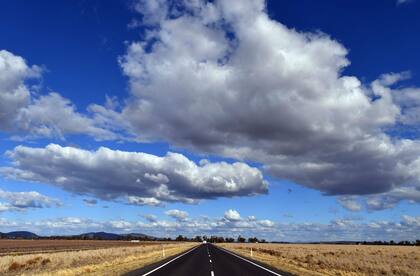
212	273
210	260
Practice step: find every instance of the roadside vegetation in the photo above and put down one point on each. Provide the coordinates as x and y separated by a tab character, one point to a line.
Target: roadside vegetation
328	259
105	261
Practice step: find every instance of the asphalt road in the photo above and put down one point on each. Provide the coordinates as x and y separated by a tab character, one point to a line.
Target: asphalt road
207	260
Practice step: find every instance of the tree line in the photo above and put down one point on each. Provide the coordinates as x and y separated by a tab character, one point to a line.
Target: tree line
219	239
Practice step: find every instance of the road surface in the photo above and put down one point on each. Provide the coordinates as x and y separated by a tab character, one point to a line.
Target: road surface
207	260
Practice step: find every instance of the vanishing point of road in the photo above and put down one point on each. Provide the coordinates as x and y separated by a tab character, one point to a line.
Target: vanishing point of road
207	260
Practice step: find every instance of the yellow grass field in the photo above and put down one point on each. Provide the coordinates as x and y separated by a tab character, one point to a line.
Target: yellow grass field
346	260
105	261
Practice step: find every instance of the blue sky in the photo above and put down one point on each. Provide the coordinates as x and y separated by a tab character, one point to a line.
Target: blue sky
306	114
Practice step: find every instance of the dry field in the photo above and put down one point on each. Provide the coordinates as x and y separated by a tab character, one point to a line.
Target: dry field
20	247
345	260
114	260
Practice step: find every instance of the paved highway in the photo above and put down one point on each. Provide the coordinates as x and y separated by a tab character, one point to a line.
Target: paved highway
207	260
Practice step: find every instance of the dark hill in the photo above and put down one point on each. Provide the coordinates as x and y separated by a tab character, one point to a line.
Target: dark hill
19	235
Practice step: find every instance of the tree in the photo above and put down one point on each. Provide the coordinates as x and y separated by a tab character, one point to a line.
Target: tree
253	240
181	238
230	240
198	239
240	239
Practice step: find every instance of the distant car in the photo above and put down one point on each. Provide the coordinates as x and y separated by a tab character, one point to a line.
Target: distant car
204	241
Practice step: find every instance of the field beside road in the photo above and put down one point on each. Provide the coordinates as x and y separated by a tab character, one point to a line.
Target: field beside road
20	247
345	260
63	257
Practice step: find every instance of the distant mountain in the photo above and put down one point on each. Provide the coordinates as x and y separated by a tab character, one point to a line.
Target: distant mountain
19	235
138	236
100	236
112	236
85	236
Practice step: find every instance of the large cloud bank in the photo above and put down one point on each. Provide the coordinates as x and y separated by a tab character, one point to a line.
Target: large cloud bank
222	77
140	178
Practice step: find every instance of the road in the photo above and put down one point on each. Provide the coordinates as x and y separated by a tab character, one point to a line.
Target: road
207	260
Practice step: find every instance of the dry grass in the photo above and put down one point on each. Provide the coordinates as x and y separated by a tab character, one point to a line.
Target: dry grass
20	247
345	260
107	261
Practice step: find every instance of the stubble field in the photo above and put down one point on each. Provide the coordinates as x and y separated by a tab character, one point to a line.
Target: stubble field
20	247
62	257
345	260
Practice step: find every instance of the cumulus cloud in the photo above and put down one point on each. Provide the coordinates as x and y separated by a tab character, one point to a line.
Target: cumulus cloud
350	203
20	201
25	113
227	79
380	202
54	116
177	214
232	215
223	78
143	179
142	201
408	228
14	94
407	98
151	225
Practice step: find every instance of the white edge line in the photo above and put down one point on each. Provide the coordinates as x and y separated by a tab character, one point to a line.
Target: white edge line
266	269
170	261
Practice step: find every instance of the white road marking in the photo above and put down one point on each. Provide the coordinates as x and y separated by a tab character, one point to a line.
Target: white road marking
257	265
212	273
210	260
150	272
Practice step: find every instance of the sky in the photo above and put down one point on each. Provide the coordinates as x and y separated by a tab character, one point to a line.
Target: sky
285	120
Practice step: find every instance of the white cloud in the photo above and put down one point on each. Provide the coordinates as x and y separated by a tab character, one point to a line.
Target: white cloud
54	116
350	203
341	229
407	98
143	179
142	201
380	201
177	214
14	94
226	79
232	215
20	201
155	10
411	221
25	113
266	223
